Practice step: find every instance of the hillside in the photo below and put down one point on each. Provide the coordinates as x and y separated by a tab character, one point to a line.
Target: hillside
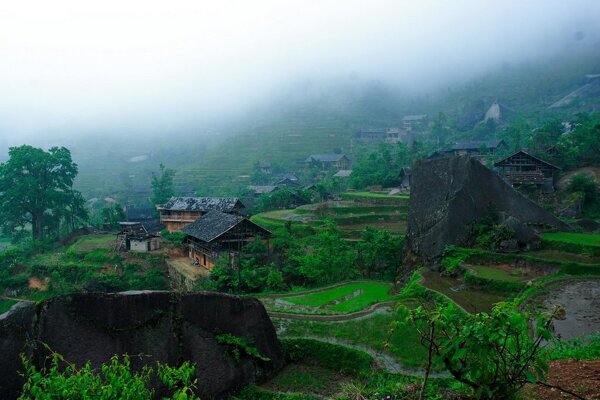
313	117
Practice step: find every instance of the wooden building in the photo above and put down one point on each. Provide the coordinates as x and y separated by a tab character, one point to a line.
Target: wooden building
522	168
405	176
219	233
265	167
477	147
133	236
179	212
287	180
415	122
328	161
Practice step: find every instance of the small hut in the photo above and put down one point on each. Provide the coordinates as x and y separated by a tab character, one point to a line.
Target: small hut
133	236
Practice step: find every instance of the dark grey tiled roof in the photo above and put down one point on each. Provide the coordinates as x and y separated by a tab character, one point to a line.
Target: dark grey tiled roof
262	189
203	204
215	224
325	157
476	144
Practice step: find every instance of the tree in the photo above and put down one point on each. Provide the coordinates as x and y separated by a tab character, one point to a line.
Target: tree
111	215
162	186
36	187
495	354
379	253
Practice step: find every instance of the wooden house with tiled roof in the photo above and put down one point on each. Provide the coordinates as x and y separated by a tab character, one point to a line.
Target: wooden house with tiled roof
521	168
179	212
218	233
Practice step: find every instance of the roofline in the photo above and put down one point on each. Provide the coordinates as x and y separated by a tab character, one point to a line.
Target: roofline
530	155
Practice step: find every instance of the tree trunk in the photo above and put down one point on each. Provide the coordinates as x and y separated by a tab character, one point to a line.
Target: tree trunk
37	226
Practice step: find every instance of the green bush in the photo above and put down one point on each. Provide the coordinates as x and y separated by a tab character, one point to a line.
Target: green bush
580	349
332	356
115	380
238	346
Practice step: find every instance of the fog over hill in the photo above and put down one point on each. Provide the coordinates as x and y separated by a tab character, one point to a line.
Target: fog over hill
72	69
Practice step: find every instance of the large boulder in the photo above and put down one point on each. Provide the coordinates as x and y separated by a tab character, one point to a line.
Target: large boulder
450	194
164	326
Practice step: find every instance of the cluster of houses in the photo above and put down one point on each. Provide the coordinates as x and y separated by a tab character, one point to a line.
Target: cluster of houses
411	126
336	163
213	227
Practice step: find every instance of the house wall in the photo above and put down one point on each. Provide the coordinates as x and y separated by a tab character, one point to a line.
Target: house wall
205	260
139	245
175	221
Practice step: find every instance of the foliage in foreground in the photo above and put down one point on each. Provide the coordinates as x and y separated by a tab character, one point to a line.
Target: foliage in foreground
115	380
494	354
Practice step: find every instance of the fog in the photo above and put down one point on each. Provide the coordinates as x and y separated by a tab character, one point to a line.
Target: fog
77	68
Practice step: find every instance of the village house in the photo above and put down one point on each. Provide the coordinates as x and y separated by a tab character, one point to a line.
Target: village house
479	149
328	161
258	190
265	167
134	236
397	135
521	168
405	176
343	173
220	234
415	122
287	180
372	134
179	212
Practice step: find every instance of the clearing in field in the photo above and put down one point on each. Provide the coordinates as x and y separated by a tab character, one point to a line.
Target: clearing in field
91	242
341	299
577	238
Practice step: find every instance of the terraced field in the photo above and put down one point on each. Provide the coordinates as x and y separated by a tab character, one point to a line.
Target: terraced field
350	216
337	299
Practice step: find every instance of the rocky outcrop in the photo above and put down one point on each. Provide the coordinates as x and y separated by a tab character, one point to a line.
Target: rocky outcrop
164	326
450	194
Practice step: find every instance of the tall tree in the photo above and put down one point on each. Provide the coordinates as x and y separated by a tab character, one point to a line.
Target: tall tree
36	187
162	186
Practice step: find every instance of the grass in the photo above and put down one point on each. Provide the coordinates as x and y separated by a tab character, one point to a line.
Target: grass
577	238
5	305
560	255
302	378
372	331
92	242
370	293
496	274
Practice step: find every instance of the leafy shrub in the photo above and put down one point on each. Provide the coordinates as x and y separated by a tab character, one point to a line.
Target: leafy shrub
580	349
115	380
238	346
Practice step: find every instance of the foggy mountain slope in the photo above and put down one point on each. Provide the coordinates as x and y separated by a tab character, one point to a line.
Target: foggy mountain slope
314	117
298	126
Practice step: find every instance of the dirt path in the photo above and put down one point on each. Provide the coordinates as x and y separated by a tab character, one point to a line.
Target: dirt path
16	299
332	317
385	360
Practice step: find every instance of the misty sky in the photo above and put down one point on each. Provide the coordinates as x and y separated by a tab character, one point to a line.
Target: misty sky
144	64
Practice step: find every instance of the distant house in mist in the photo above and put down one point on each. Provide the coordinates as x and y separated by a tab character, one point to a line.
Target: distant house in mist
416	122
328	161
